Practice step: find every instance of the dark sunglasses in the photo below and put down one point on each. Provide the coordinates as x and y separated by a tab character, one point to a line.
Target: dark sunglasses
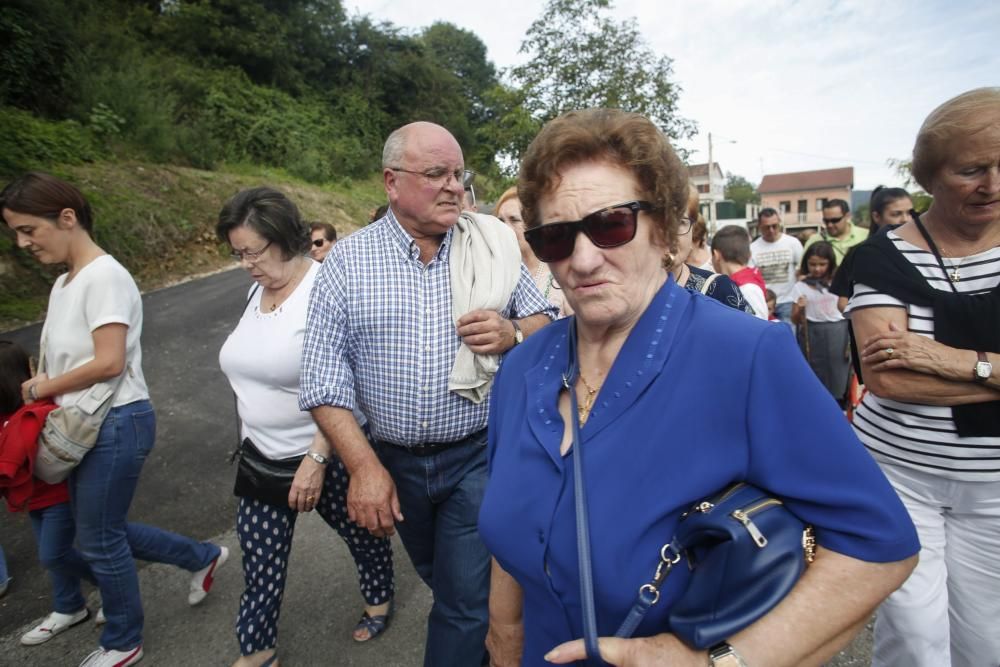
608	228
833	221
319	243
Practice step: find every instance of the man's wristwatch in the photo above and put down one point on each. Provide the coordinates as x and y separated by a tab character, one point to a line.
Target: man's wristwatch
724	655
983	369
518	334
318	458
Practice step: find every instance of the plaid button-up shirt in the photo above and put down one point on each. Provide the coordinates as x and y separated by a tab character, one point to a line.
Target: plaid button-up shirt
380	332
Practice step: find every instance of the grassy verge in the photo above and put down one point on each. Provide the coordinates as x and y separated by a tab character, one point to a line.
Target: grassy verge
158	221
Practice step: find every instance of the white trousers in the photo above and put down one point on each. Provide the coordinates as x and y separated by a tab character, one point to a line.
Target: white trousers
947	614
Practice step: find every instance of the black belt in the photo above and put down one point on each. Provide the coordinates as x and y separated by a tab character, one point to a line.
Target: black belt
429	449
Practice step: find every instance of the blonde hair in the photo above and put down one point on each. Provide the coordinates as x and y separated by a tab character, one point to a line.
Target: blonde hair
961	116
508	194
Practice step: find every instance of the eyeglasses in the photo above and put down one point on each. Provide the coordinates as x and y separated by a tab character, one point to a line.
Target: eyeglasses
684	226
833	221
249	256
319	243
608	228
438	177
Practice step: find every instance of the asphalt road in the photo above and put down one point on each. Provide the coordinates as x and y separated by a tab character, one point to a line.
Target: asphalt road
186	486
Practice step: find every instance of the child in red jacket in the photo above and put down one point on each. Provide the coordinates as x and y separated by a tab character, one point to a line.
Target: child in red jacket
47	504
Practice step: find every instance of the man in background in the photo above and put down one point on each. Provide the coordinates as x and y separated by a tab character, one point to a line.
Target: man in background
777	255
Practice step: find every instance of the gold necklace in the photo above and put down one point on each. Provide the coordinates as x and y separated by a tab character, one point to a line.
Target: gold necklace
588	401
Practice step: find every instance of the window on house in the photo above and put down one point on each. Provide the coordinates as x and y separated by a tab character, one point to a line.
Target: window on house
703	188
784	206
803	206
821	203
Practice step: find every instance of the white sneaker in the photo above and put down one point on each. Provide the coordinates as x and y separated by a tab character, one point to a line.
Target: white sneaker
105	658
53	624
202	580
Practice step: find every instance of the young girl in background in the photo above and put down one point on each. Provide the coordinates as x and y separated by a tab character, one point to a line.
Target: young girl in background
822	329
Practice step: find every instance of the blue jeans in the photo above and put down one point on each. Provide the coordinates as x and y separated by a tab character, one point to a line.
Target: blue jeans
55	531
440	497
101	490
3	570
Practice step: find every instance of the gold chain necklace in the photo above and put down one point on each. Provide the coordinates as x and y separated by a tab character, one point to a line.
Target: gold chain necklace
587	404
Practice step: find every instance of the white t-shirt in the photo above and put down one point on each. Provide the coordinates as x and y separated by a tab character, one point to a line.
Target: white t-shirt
821	304
756	298
261	358
778	263
103	292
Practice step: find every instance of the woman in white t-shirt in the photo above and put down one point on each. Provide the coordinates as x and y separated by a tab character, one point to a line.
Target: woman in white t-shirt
261	359
822	329
91	335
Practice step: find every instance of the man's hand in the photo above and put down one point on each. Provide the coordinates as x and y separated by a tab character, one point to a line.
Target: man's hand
505	642
372	502
655	651
307	486
486	332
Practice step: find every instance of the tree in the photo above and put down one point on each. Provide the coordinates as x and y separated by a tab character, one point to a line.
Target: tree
740	191
581	57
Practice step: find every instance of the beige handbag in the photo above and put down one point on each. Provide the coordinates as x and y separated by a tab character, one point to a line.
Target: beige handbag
70	431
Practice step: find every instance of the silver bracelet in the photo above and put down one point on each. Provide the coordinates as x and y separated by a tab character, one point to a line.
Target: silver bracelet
33	392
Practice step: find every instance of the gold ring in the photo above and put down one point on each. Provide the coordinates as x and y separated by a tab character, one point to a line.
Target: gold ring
889	351
310	498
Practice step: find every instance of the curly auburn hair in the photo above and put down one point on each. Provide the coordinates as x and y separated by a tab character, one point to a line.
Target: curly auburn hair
626	139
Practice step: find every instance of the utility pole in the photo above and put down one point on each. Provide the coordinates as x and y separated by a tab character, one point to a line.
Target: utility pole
711	195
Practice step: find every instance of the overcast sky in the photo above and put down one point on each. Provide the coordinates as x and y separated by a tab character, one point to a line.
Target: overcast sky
797	85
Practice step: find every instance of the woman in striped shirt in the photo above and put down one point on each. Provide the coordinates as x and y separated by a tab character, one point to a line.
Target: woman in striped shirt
926	315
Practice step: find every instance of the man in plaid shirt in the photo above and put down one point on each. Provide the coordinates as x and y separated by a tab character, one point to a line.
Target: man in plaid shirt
381	334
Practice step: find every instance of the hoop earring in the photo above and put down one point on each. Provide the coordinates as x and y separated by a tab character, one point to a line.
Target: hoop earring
668	260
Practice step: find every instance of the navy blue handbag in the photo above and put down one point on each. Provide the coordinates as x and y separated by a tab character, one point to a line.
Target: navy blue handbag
744	548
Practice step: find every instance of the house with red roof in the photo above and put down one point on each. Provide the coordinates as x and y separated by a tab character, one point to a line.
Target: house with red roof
799	196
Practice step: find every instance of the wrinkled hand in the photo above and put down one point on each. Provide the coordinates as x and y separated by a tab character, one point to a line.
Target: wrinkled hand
307	486
505	642
372	502
909	351
486	332
27	384
655	651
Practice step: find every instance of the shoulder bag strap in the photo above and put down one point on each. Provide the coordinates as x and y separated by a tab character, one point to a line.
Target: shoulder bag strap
582	521
934	250
236	406
708	283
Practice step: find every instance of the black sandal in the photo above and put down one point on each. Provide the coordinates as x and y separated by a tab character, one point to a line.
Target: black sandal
375	625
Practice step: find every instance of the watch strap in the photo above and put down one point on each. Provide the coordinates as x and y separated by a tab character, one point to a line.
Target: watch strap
724	655
518	334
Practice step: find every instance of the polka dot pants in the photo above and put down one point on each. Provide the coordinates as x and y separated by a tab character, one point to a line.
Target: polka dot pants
265	532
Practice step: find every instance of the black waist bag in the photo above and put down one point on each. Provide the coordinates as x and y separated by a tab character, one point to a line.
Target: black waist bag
264	479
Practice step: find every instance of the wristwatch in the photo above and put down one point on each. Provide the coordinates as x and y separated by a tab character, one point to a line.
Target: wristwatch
318	458
724	655
518	334
983	369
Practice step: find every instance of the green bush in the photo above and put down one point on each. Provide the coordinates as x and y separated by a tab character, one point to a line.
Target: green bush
28	142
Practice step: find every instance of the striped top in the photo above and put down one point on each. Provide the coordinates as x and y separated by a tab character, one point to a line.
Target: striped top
924	436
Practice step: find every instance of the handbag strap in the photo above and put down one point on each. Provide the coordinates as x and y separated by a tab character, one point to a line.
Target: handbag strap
236	403
708	283
580	501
